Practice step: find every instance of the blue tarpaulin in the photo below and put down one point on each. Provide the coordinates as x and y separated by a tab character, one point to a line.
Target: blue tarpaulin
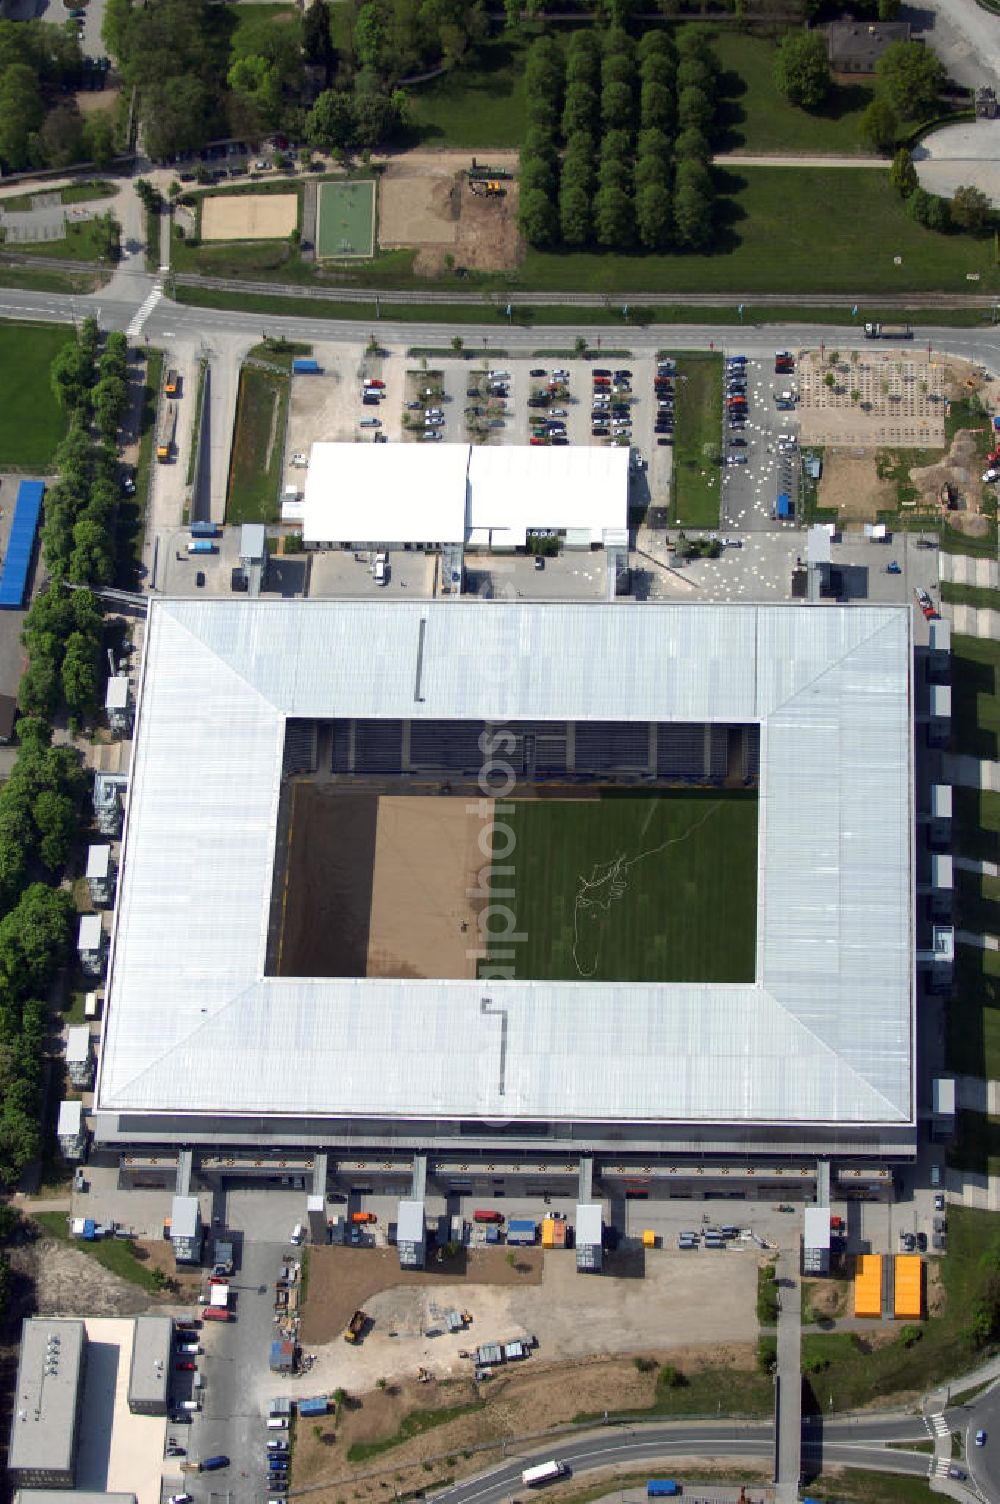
14	579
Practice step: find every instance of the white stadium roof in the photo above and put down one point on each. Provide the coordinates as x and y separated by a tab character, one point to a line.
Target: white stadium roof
823	1034
457	493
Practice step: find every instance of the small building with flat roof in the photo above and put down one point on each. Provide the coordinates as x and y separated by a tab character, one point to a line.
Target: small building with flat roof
90	944
411	1234
100	873
149	1374
70	1496
71	1130
186	1229
46	1419
118	704
79	1056
589	1237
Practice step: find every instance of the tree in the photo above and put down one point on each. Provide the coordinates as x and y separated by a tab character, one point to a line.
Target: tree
878	125
56	817
537	218
695	73
21	113
655	44
61	135
692	218
69	375
539	142
653	216
574	214
616	107
80	675
34	937
616	146
543	71
175	114
99	138
902	173
802	70
369	35
694	108
537	175
656	107
692	43
650	169
614	217
617	68
617	39
114	26
692	143
330	122
970	208
580	109
909	78
317	39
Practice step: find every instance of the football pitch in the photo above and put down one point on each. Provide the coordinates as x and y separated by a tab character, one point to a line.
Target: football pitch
346	219
658	887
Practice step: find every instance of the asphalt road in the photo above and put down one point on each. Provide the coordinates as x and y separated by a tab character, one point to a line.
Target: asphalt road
983	1463
858	1443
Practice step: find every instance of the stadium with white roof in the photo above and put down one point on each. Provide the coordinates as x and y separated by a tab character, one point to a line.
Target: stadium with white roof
812	1056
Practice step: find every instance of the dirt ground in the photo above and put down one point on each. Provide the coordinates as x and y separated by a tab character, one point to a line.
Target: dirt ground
427	859
425	201
827	1297
660	1299
95	101
249	216
67	1282
328	883
519	1401
850	484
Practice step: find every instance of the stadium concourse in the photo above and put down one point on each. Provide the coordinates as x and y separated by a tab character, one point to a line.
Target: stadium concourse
809	1050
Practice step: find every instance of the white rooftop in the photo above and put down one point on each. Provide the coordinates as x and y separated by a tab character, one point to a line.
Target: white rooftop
70	1119
821	1035
457	493
117	696
98	861
77	1044
90	932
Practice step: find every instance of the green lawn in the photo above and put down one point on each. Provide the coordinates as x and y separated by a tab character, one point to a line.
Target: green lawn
975	701
31	423
697	480
839	1366
827	230
254	469
73	193
636	887
85	240
478	105
48	279
853	1486
754	116
970	595
977	1144
701	1392
414	1423
115	1255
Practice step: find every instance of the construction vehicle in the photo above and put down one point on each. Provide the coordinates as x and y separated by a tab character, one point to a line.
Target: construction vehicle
173	384
487	187
166	445
479	172
355	1327
888	331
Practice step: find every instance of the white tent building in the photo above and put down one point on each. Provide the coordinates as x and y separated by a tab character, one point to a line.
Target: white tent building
423	496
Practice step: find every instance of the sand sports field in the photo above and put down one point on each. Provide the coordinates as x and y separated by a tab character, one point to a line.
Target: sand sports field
249	216
427	857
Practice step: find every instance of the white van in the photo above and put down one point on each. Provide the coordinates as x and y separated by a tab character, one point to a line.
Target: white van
190	1404
277	1423
379	574
298	1233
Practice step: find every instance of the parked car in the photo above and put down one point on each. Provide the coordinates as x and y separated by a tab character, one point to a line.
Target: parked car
538	371
736	459
921	1242
184	1366
739	443
939	1202
669	439
370	422
539	561
980	1438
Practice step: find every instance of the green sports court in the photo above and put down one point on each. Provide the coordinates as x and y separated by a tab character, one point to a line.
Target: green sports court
345	220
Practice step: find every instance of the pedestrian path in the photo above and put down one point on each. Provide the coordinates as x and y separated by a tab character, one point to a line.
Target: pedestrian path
789	1358
144	310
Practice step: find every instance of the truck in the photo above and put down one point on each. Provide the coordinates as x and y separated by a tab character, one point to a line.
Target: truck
303	367
173	384
206	530
486	1214
888	331
202	546
222	1255
217	1313
165	444
545	1472
355	1327
662	1488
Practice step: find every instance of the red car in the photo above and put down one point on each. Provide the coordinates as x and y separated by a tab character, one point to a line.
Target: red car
535	439
377	385
186	1366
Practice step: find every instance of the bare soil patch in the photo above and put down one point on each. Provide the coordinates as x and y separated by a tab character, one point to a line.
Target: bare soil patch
342	1279
328	883
827	1297
95	102
518	1402
67	1283
849	483
425	201
249	216
876	397
427	861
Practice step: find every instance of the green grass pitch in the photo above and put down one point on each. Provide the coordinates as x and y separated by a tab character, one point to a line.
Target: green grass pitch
658	887
31	424
346	222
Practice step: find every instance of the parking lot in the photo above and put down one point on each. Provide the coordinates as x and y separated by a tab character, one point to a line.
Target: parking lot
760	447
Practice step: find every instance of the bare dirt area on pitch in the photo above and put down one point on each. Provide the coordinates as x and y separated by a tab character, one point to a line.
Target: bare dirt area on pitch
427	859
249	216
425	201
375	884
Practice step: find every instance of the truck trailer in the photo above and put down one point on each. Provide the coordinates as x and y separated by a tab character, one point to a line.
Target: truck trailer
545	1472
303	367
888	331
165	445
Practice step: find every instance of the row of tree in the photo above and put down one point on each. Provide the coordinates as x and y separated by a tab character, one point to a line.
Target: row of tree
42	802
967	209
651	107
40	122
